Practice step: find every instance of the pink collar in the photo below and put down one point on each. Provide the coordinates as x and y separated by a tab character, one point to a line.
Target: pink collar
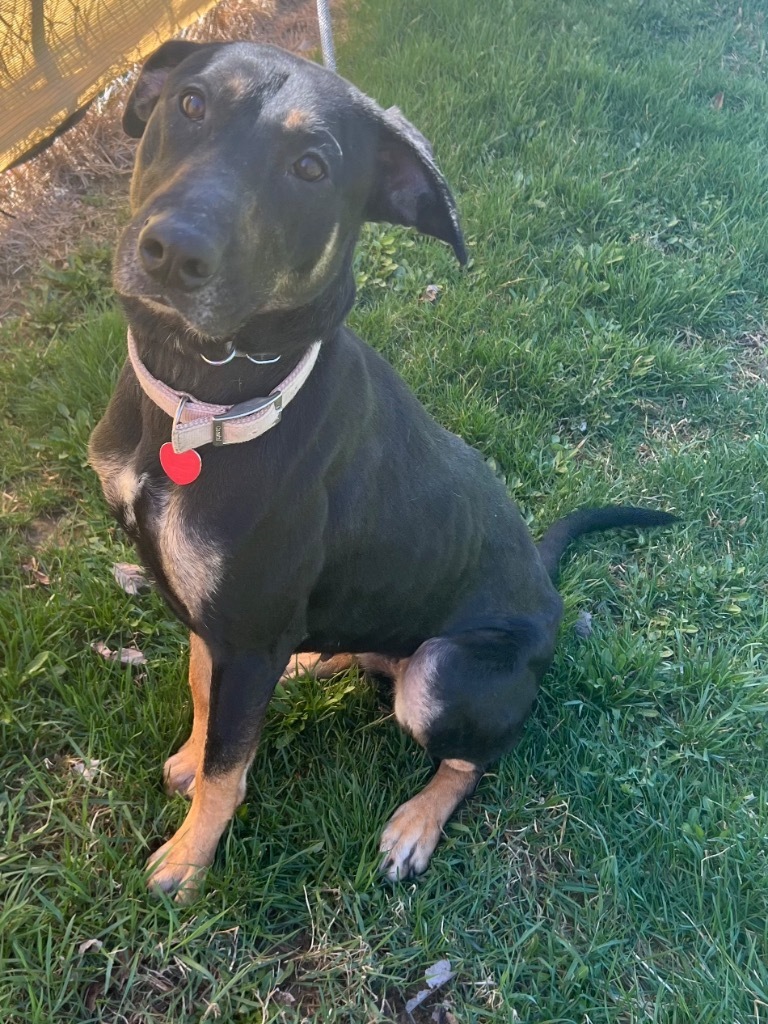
198	423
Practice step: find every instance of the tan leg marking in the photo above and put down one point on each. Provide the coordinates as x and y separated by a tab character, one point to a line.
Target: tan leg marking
179	865
414	830
381	665
310	663
179	771
416	706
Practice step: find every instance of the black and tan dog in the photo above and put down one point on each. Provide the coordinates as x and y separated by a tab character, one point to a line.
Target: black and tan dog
355	524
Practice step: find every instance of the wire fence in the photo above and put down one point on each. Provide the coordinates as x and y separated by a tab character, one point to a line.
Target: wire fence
57	55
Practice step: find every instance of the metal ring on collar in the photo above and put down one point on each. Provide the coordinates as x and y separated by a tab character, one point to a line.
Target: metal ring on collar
237	354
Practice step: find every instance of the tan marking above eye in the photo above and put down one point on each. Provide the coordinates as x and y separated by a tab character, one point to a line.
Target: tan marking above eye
240	85
296	118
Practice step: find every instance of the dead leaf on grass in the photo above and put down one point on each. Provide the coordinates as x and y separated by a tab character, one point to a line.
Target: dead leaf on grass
583	625
283	998
717	101
438	973
435	976
130	577
90	946
37	571
125	655
89	770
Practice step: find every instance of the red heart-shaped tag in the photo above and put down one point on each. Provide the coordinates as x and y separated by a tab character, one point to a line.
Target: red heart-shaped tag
181	467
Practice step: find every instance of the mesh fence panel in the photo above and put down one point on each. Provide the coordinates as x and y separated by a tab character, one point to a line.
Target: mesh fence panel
56	55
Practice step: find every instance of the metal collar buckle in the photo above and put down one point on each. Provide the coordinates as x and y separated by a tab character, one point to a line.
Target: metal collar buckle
238	412
183	399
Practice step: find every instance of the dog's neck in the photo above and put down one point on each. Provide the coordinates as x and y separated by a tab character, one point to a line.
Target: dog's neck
178	361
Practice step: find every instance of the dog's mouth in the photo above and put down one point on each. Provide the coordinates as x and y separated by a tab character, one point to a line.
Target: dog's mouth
192	315
158	302
194	324
189	322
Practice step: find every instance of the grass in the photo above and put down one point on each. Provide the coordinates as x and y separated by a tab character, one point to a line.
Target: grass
608	342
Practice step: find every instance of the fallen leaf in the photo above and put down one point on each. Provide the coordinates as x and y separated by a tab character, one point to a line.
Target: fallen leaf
126	655
438	973
417	1000
88	771
717	101
90	946
583	625
430	294
130	577
131	656
34	568
435	976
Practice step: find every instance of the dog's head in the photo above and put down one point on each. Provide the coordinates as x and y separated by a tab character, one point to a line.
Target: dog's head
255	172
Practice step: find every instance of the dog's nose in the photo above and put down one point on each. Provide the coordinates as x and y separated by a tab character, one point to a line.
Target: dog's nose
177	254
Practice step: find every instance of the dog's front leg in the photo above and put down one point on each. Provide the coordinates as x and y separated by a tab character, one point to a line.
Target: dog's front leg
240	690
412	833
180	770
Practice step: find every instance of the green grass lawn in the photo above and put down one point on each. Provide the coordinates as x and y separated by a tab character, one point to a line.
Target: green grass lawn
608	342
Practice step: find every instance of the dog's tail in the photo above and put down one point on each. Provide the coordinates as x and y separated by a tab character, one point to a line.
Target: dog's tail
588	520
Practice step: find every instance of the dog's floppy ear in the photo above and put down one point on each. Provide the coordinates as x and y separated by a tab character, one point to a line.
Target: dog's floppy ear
150	83
409	188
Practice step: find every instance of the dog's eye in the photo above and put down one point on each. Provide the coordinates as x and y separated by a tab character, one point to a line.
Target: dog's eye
309	168
192	105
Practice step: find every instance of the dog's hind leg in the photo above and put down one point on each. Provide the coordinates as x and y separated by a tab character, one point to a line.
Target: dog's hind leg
464	698
179	770
241	687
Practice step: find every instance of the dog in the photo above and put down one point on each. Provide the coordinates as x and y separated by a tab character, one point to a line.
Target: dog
285	489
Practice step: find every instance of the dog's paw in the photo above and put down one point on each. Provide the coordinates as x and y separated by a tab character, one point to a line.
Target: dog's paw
171	871
303	664
179	771
408	841
318	665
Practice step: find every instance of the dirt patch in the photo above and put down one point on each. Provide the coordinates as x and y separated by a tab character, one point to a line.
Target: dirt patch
752	357
48	531
74	194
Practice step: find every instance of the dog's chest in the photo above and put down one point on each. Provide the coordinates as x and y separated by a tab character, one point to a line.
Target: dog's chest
156	516
191	562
